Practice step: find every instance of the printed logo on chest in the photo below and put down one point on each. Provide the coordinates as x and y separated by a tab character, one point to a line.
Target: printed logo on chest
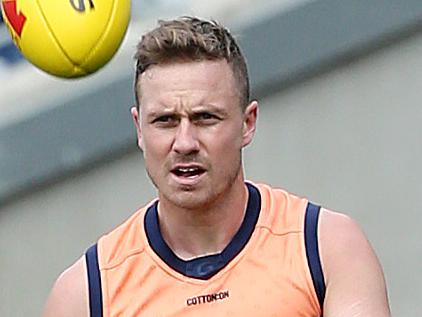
207	299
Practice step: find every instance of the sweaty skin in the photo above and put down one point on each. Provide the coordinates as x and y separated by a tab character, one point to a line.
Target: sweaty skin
190	117
191	130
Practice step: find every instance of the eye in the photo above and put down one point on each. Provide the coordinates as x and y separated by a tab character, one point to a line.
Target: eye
165	120
205	117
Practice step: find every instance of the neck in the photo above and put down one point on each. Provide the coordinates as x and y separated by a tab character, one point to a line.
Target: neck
192	233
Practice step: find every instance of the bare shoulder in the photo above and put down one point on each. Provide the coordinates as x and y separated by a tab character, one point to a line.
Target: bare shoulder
340	234
69	295
355	284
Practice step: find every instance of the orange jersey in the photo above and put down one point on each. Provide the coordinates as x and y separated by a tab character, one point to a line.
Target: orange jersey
270	268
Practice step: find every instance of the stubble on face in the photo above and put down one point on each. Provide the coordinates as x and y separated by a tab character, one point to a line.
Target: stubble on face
189	198
222	161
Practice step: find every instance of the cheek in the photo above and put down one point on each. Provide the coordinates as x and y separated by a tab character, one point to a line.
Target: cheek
155	147
229	138
225	145
155	150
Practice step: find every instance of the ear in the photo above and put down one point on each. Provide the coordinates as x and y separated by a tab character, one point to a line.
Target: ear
249	122
136	120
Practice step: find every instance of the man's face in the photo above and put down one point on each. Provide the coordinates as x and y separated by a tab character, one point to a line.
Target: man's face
191	129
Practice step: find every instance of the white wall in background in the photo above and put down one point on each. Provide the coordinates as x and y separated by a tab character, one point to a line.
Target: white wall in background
349	139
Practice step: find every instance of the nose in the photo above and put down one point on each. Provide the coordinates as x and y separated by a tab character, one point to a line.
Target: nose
185	140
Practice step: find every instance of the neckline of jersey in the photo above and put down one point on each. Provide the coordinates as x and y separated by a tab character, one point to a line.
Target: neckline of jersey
204	267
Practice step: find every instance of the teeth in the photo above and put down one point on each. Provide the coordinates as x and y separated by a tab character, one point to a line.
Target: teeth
187	170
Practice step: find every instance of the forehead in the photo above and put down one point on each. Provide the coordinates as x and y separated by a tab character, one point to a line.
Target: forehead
187	80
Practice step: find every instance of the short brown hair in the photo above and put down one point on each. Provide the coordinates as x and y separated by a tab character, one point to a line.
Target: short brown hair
192	39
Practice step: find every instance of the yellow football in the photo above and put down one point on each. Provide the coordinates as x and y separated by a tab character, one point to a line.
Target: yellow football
67	38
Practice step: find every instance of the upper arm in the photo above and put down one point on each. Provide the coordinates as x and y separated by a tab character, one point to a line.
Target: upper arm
69	295
354	279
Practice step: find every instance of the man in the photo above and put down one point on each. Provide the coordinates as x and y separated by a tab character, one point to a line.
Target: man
213	244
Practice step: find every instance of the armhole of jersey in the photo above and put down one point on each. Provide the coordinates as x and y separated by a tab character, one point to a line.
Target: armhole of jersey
94	282
312	251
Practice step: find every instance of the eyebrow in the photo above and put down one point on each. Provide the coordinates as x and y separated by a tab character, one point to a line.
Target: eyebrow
199	109
210	108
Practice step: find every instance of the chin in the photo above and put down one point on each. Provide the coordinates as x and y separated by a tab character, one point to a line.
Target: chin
190	199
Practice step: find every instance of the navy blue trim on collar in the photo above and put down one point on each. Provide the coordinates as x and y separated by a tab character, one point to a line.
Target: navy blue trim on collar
207	266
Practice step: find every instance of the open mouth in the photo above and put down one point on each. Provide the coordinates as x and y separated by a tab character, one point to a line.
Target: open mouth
188	172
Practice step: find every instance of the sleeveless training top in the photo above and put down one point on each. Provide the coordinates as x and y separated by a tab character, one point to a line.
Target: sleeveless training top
270	268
